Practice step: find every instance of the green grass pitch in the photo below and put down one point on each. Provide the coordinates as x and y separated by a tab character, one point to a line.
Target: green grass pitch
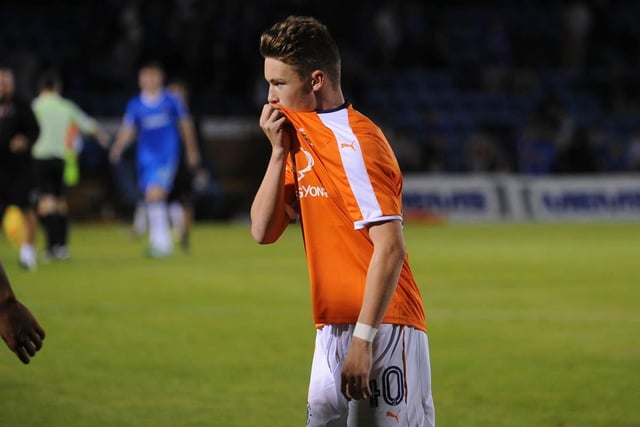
529	325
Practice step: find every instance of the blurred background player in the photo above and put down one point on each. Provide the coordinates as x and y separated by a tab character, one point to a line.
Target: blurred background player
158	118
180	198
187	182
18	132
58	117
18	328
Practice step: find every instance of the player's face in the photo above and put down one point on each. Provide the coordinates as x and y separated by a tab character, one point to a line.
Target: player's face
286	87
6	83
150	80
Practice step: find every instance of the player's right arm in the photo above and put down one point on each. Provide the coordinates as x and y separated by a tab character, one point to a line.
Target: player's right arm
268	210
127	132
125	136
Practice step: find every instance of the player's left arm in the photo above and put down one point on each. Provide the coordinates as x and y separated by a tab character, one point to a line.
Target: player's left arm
18	328
124	137
90	126
382	280
190	140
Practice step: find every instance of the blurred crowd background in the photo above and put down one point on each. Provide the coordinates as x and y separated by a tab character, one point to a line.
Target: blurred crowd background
520	86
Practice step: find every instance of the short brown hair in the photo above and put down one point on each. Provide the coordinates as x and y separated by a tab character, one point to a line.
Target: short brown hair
152	65
304	43
50	80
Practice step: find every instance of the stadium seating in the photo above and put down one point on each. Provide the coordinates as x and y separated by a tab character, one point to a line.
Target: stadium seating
497	62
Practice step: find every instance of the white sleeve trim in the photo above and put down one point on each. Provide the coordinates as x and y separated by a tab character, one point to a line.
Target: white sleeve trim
362	224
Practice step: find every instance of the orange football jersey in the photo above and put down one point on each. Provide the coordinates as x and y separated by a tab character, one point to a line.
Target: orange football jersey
346	177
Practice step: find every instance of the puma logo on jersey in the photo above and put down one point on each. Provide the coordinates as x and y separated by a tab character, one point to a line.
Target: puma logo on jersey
394	416
351	145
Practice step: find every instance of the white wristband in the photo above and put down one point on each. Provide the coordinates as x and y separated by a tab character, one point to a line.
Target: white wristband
364	332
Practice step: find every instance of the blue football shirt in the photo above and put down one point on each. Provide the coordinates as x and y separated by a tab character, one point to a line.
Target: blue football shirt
158	140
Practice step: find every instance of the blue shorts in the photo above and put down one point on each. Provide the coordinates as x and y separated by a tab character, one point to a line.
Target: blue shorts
156	175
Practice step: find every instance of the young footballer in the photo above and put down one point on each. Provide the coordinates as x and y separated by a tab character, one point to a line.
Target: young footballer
332	167
18	132
157	118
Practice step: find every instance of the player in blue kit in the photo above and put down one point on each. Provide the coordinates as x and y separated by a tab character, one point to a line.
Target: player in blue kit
158	119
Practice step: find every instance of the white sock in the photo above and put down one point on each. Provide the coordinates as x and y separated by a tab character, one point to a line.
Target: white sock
27	253
140	219
176	214
159	231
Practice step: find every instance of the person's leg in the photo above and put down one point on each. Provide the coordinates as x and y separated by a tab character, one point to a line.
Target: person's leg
62	229
59	212
52	206
185	239
46	213
179	211
28	256
140	219
176	215
155	179
400	382
46	203
160	240
22	193
326	407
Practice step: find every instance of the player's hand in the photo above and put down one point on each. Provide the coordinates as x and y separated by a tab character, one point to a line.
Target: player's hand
103	138
114	155
193	160
20	330
19	144
274	124
356	370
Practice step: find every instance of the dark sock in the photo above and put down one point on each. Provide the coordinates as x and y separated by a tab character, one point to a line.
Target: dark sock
48	222
55	229
63	229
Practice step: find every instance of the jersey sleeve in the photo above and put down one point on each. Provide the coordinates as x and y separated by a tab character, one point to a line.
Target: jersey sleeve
130	114
386	176
179	108
85	123
370	176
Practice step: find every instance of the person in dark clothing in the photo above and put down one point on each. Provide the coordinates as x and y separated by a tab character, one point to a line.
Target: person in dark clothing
577	157
18	131
181	197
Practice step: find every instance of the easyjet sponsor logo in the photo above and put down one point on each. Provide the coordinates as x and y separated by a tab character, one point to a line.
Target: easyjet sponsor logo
308	190
307	168
311	191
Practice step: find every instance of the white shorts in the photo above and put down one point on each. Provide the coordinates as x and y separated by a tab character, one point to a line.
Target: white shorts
400	380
